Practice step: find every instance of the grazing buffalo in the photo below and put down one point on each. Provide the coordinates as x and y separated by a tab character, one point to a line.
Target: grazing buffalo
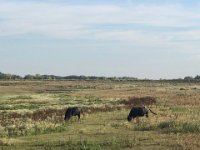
139	111
72	111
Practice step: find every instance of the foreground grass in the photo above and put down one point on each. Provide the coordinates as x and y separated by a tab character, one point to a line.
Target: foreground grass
32	115
110	130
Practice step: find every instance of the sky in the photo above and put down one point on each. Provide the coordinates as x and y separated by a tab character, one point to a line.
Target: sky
139	38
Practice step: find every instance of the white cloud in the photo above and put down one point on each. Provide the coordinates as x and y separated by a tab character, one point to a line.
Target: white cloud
81	21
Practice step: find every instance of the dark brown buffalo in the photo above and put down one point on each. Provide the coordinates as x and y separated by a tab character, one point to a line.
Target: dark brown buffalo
72	111
139	111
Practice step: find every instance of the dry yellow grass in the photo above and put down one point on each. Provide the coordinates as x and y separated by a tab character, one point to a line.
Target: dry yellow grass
24	105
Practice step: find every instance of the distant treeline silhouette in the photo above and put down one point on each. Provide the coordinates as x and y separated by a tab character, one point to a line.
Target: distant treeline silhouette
6	76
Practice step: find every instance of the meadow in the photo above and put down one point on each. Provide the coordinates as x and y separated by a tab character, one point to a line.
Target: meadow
32	112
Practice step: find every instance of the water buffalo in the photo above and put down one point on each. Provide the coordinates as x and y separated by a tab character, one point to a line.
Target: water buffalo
139	111
72	111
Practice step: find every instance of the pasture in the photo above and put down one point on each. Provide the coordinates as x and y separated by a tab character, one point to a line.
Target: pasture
32	115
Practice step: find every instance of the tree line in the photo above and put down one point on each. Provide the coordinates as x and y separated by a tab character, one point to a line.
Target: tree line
6	76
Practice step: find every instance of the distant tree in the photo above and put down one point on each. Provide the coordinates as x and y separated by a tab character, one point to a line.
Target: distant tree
127	78
16	77
197	77
102	78
189	78
4	76
82	77
29	77
38	77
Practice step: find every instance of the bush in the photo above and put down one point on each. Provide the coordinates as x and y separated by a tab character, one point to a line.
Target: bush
134	101
190	127
166	124
186	127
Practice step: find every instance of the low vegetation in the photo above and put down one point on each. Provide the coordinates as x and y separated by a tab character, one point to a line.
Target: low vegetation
32	115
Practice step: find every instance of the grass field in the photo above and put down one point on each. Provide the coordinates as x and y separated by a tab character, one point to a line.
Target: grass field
32	112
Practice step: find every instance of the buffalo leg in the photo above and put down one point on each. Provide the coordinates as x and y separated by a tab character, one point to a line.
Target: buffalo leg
138	120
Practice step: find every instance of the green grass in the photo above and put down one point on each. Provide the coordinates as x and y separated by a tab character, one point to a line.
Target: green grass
31	115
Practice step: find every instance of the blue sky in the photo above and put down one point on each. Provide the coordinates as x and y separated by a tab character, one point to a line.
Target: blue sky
141	38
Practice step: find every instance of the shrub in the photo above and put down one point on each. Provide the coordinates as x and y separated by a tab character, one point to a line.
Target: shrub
166	124
134	101
185	127
190	127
